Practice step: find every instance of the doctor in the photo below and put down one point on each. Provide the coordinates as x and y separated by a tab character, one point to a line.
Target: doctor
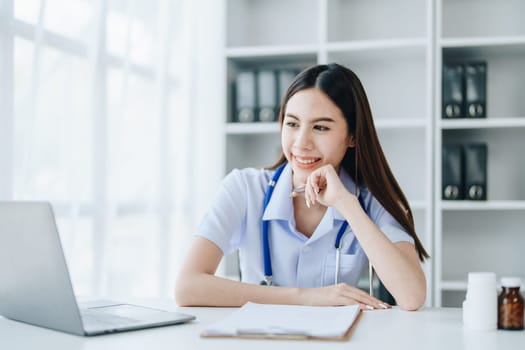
306	227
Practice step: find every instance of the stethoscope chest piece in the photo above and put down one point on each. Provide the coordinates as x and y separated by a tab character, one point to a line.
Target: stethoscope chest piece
267	281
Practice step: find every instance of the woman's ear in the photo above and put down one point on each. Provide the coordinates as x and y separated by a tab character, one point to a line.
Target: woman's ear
351	141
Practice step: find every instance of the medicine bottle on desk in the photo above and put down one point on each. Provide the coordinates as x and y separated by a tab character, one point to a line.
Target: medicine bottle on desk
510	304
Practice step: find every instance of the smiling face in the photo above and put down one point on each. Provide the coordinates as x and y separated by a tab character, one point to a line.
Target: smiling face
314	133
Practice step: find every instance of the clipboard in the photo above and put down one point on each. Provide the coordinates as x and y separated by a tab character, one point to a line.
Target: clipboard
287	322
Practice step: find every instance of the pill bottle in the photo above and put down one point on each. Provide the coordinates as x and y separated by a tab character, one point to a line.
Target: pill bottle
510	304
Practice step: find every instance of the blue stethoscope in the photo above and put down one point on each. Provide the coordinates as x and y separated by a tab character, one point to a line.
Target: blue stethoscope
267	280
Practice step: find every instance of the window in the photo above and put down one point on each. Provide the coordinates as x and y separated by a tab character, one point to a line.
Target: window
95	119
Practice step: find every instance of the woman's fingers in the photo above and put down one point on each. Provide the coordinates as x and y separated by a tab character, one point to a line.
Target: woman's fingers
341	294
355	295
315	183
371	303
324	186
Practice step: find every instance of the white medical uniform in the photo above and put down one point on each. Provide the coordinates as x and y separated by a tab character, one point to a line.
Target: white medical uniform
234	223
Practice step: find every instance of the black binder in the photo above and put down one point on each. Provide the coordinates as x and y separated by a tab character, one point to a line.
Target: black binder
476	171
245	97
266	95
284	79
452	172
453	91
476	89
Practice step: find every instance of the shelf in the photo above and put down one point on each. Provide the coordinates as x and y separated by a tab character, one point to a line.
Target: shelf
362	45
399	123
398	52
271	51
384	56
454	285
486	123
489	31
483	205
461	286
499	41
482	47
252	128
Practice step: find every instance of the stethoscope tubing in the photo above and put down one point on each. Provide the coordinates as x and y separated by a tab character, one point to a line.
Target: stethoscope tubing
267	260
265	230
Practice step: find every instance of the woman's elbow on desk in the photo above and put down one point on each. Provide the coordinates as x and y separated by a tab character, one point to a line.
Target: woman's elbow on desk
411	306
191	289
413	301
196	276
183	293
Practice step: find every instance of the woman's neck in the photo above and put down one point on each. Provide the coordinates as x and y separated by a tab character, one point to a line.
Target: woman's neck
307	219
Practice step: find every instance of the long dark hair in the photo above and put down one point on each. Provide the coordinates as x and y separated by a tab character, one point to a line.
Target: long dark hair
366	162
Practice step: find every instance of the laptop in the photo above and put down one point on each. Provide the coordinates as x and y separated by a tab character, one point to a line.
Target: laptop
35	286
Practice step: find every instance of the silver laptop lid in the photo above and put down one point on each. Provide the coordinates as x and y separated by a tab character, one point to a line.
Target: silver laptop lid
34	280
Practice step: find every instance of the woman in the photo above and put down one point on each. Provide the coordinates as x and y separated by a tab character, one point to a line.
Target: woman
332	187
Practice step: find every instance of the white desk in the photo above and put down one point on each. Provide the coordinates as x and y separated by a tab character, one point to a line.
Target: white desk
390	329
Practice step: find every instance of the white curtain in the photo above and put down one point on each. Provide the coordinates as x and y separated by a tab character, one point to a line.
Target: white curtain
100	118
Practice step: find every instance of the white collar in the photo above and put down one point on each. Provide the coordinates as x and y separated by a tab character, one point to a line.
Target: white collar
280	206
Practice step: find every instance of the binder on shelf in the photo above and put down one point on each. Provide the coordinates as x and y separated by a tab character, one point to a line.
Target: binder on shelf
453	88
452	172
476	89
266	95
476	171
284	79
245	97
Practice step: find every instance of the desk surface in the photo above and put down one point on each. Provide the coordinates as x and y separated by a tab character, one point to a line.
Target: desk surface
429	328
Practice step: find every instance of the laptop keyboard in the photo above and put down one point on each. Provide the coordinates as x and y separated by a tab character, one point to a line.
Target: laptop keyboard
93	319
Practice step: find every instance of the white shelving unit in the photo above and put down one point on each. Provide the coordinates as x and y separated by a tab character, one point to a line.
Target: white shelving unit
482	235
389	46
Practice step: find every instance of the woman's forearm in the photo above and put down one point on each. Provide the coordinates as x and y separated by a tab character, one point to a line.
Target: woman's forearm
397	265
202	289
208	290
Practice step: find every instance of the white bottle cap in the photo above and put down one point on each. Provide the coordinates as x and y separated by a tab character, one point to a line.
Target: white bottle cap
511	282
